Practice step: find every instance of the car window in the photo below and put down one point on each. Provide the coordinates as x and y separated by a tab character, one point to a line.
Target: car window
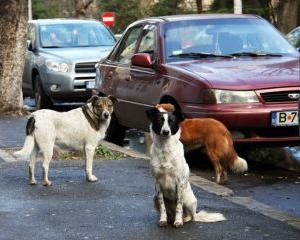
147	43
128	46
75	35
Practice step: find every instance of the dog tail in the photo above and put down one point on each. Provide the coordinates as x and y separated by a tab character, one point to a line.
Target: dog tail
29	140
239	165
204	216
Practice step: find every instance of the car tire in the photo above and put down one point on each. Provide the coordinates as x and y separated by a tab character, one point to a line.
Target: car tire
41	99
115	132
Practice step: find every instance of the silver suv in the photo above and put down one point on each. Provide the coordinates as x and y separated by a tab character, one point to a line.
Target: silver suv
61	57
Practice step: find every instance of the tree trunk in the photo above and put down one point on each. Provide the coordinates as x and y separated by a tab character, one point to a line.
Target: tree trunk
68	8
13	25
238	7
81	7
29	10
199	6
284	14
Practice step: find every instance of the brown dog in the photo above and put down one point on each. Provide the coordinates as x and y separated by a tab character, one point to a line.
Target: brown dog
217	140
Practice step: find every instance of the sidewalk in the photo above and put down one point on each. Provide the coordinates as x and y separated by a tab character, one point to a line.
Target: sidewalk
12	131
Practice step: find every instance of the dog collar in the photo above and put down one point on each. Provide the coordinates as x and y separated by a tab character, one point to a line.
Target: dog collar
95	123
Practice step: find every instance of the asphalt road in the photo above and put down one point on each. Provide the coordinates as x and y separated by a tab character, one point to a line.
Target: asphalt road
119	206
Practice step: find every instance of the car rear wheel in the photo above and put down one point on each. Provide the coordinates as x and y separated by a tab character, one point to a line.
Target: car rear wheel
41	99
115	132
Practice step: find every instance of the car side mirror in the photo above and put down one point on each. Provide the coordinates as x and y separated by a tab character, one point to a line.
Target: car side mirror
298	48
30	46
141	60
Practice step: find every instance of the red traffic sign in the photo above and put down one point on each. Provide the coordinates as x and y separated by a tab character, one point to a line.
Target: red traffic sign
108	18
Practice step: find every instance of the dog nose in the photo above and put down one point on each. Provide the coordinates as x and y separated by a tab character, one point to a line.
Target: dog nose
165	132
105	115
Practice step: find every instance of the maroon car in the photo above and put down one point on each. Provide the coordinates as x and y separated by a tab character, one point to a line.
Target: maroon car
235	68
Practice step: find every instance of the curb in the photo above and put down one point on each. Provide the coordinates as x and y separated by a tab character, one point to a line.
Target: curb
266	210
128	152
210	186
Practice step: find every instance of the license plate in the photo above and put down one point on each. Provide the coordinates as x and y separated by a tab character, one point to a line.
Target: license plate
89	85
284	118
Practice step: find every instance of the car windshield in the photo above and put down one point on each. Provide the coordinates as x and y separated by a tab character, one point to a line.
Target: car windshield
210	37
75	35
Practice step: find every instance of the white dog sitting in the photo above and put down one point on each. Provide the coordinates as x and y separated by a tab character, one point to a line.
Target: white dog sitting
174	197
79	129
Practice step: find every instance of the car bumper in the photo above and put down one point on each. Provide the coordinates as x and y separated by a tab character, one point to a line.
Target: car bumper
63	87
249	123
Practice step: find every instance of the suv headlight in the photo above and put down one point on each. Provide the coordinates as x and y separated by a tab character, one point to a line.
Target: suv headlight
228	96
57	66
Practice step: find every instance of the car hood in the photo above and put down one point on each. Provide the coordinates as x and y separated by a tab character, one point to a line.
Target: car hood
245	73
83	54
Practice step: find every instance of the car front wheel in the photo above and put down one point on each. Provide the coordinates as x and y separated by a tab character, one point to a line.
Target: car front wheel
41	99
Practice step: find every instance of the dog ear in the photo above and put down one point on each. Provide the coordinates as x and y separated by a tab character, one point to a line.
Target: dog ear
179	115
151	113
93	99
112	98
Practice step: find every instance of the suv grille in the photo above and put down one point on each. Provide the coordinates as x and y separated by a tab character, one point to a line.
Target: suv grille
88	67
280	96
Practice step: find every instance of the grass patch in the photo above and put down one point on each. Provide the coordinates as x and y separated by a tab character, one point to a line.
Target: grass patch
101	152
105	152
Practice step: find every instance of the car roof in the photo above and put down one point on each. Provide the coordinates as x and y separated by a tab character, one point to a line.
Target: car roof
174	18
61	21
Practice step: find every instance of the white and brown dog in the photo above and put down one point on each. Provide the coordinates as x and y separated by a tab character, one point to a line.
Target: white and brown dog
174	197
215	138
79	129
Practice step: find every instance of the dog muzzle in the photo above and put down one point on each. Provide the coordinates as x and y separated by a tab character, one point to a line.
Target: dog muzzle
105	115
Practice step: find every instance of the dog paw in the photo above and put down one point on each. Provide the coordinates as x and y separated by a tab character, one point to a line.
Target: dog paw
32	182
47	183
162	223
178	224
92	178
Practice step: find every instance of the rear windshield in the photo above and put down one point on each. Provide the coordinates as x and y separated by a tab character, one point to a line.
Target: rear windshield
224	36
75	35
